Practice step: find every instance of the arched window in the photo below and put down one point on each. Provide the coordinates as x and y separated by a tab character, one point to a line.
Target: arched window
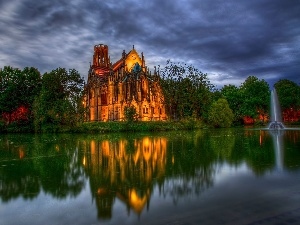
103	98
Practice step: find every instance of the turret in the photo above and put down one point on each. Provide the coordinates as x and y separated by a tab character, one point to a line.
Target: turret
143	62
101	60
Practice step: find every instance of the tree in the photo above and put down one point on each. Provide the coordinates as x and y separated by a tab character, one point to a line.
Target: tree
234	98
289	98
60	100
32	84
220	115
130	113
256	97
187	91
18	90
9	90
288	94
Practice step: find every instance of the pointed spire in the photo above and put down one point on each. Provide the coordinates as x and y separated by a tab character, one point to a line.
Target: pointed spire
132	46
143	60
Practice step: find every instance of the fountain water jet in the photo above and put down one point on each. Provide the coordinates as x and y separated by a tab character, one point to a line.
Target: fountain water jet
276	121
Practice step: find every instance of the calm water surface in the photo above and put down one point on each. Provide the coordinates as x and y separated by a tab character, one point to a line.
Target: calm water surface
222	176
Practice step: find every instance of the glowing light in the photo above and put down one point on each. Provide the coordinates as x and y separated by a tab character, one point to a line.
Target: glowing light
101	191
137	202
21	153
93	147
146	142
260	138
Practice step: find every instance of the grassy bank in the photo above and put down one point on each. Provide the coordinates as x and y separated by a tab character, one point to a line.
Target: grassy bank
149	126
14	127
108	127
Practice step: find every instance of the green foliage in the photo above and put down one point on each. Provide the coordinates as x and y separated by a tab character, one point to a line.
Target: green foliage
216	95
2	127
130	114
32	84
220	115
138	126
60	100
10	81
255	97
19	127
234	98
187	91
18	89
288	94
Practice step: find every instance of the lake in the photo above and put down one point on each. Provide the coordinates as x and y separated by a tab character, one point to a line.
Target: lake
219	176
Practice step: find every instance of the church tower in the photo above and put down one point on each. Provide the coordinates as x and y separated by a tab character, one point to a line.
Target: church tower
101	60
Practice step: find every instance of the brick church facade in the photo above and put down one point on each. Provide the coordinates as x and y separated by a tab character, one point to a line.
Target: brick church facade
127	82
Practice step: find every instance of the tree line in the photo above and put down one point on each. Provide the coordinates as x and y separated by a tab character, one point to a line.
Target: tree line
41	103
31	102
189	94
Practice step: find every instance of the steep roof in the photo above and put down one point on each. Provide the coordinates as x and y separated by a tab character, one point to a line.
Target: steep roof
129	62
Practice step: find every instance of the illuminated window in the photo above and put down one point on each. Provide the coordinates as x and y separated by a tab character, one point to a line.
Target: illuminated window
145	110
103	99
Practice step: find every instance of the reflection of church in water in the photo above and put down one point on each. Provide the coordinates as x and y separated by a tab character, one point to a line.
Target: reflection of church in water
115	173
127	82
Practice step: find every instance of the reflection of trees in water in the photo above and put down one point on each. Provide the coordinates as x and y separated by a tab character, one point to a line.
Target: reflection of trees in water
61	176
60	170
192	161
291	154
258	151
21	179
18	177
184	186
128	168
222	144
31	163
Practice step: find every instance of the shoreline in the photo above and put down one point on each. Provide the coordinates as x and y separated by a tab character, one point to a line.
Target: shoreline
110	127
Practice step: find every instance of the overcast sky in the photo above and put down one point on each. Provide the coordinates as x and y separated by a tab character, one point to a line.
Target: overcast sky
229	40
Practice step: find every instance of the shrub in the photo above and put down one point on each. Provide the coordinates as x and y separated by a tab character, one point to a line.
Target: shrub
220	115
130	113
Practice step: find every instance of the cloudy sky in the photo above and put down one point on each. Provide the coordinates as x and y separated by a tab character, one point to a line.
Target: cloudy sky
229	40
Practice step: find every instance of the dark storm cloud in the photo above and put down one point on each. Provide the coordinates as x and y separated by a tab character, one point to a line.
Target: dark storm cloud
229	40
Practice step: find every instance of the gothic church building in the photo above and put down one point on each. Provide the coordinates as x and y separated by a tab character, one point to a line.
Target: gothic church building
127	82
